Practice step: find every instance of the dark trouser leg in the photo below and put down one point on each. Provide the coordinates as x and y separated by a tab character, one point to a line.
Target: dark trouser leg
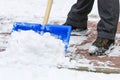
78	14
109	14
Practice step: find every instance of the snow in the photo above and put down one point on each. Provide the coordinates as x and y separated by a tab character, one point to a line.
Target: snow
93	49
30	56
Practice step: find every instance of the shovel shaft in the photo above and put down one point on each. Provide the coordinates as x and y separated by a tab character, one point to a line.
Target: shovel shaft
47	12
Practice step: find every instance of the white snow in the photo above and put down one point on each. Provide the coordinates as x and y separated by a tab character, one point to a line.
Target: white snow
30	56
92	49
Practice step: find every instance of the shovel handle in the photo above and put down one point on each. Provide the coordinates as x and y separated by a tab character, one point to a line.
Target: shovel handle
47	12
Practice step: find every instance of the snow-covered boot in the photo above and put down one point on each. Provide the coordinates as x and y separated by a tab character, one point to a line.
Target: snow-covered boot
100	46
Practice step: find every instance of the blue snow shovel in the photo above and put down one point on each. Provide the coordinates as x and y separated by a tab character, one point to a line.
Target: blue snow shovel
59	31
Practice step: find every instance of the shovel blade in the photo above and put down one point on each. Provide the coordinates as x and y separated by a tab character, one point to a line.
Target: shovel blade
26	26
59	31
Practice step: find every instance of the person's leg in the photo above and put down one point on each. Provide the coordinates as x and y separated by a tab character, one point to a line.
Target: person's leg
77	17
109	14
107	26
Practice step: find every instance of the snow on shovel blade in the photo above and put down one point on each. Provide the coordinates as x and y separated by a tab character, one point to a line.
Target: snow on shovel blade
59	31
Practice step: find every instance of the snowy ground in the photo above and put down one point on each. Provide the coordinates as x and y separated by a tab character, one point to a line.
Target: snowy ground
30	56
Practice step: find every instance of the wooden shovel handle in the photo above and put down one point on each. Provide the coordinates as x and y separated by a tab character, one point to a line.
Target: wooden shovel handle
47	12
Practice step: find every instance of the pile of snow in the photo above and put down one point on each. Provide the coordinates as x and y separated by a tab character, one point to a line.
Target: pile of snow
29	47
